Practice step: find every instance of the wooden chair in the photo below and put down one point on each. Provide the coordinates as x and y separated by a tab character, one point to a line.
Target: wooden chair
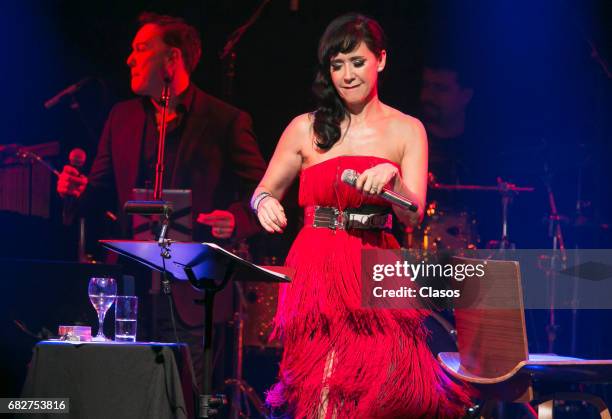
493	352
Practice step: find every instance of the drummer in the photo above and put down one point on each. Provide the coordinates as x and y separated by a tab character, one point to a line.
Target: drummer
458	149
445	95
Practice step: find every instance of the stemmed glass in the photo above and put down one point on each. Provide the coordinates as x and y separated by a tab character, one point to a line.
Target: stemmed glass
102	294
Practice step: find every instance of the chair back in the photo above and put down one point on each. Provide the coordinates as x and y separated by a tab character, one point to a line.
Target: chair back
490	319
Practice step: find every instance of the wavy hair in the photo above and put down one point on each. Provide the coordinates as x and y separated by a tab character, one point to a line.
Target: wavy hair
342	35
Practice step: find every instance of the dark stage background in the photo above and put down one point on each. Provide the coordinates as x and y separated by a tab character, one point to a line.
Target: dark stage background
542	97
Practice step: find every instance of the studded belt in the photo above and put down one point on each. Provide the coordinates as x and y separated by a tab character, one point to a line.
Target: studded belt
363	218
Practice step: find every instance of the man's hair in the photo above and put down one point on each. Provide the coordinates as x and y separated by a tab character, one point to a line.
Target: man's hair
176	33
448	60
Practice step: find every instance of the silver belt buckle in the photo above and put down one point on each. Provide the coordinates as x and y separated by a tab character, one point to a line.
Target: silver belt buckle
327	217
367	221
334	219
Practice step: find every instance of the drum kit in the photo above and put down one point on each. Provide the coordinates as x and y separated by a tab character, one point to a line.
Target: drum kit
261	300
445	228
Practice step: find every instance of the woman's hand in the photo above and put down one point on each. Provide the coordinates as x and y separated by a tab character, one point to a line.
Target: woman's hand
271	215
283	168
372	181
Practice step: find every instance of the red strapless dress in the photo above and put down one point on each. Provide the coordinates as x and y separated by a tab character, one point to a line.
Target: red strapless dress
366	363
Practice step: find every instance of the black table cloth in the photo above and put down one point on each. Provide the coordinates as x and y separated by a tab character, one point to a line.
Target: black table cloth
114	380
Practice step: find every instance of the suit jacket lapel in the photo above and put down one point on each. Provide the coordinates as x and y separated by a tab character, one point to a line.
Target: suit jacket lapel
130	150
195	125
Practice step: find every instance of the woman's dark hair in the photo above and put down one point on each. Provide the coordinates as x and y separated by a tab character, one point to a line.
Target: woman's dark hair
342	35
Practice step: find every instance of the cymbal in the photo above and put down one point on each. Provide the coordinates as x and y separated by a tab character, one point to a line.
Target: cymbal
506	188
500	187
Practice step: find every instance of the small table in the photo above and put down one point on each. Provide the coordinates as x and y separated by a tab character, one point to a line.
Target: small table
114	380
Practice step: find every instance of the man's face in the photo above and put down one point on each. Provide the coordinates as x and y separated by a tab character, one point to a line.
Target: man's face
442	98
148	61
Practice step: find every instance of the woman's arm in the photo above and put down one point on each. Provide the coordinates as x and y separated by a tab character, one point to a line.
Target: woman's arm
413	181
282	170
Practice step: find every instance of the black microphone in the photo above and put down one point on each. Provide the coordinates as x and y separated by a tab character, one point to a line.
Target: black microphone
72	89
77	158
350	176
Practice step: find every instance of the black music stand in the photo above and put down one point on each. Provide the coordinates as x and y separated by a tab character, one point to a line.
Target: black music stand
207	267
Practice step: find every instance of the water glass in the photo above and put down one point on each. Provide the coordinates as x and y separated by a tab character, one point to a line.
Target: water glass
126	313
102	292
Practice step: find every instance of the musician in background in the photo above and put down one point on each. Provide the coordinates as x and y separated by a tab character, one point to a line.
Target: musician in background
463	149
210	146
445	95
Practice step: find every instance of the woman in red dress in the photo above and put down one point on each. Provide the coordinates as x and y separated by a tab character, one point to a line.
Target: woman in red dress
343	360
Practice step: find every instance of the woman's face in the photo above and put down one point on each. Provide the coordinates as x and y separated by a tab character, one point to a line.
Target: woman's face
355	74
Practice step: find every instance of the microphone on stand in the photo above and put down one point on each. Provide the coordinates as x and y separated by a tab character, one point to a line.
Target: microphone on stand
350	176
157	206
70	90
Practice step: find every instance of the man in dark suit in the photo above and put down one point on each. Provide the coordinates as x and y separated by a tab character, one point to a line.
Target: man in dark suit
210	146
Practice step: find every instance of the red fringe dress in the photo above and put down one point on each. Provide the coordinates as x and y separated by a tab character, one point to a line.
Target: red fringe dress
360	362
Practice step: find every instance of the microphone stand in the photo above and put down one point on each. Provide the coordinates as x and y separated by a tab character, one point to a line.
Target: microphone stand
240	386
158	206
229	52
558	246
161	145
506	198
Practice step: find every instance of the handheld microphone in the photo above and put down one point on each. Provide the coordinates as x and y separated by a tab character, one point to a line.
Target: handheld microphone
77	158
350	176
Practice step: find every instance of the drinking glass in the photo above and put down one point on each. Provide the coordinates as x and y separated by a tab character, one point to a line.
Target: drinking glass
102	294
126	314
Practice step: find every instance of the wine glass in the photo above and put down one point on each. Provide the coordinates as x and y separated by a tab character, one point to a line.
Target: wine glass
102	294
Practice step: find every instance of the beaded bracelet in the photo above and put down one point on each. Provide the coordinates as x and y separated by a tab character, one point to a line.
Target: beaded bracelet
257	200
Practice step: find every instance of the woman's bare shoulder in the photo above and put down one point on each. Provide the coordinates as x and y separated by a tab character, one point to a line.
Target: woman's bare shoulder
406	128
402	121
299	132
302	123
